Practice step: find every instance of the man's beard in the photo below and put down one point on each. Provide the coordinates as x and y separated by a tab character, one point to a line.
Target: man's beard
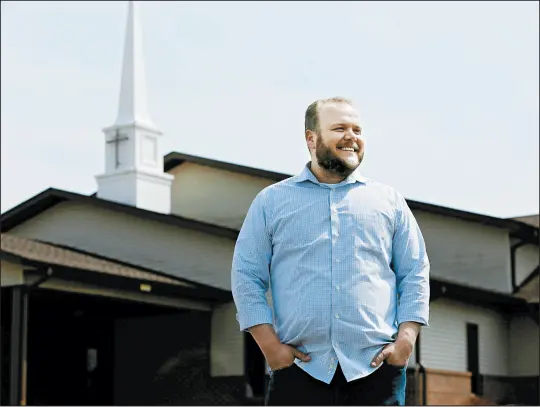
332	163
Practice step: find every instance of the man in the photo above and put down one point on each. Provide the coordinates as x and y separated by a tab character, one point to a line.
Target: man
348	271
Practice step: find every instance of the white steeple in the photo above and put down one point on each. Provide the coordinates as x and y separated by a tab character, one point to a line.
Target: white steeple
133	163
133	107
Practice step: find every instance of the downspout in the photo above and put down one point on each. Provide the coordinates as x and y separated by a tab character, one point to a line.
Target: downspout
421	371
531	311
513	250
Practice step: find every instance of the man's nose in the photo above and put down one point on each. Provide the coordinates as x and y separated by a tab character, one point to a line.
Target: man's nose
349	135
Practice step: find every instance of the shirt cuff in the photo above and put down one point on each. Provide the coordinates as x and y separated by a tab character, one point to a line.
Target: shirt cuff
421	317
254	317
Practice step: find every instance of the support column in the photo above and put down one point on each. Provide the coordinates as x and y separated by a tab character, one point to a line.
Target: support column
18	348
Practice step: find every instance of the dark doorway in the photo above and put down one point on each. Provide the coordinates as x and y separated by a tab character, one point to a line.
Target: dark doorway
473	359
255	367
71	346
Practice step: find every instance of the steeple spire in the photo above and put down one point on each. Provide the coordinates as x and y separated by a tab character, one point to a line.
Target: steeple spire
133	106
133	162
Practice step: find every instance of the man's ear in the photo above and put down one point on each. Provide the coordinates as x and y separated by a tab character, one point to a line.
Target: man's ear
311	139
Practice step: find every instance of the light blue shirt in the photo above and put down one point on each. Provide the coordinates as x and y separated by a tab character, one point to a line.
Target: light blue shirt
346	264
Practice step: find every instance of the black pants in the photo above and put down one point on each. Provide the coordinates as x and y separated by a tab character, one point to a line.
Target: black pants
294	387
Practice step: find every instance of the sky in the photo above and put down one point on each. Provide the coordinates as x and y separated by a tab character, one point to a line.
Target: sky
448	92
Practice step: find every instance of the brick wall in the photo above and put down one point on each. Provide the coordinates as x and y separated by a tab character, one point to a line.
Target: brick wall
443	387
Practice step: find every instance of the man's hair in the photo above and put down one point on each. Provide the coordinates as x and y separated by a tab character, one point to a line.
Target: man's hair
312	113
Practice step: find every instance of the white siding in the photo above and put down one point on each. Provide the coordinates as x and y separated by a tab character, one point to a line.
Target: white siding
444	343
191	254
466	252
213	195
227	343
11	274
460	251
526	261
524	344
412	359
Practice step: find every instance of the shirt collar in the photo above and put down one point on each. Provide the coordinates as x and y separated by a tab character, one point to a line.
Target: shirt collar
307	175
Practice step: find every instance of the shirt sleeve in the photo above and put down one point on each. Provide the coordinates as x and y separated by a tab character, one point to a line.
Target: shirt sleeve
411	265
250	274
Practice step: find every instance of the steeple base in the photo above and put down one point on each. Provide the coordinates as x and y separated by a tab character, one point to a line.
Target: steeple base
145	190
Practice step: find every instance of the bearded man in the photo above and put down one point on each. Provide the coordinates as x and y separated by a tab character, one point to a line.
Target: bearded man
348	271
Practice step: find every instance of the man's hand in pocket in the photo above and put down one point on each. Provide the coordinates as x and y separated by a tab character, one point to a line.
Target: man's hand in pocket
282	356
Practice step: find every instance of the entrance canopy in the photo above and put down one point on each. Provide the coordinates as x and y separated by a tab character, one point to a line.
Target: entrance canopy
45	264
41	283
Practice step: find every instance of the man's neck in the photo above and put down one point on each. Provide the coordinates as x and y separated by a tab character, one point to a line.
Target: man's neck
324	176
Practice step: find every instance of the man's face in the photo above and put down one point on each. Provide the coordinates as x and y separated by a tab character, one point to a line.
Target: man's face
338	147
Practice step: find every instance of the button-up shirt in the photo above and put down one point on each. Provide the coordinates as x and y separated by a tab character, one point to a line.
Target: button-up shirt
346	264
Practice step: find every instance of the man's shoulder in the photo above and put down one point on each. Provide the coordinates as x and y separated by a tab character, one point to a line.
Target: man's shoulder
382	188
277	188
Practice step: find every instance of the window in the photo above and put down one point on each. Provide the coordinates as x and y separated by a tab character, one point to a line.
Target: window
473	359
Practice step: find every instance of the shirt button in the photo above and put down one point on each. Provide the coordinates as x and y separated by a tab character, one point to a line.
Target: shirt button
338	260
337	316
334	210
337	287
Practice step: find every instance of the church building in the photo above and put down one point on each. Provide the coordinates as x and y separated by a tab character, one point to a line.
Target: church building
123	297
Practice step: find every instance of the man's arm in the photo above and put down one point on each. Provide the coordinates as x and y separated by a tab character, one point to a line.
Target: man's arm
250	276
411	265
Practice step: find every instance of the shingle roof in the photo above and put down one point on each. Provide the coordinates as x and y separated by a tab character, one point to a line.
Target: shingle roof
34	250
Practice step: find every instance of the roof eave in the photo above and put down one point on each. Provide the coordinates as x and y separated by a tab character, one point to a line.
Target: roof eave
198	292
476	296
521	230
51	197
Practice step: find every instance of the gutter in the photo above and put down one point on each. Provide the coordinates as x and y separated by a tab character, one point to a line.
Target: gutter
513	250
